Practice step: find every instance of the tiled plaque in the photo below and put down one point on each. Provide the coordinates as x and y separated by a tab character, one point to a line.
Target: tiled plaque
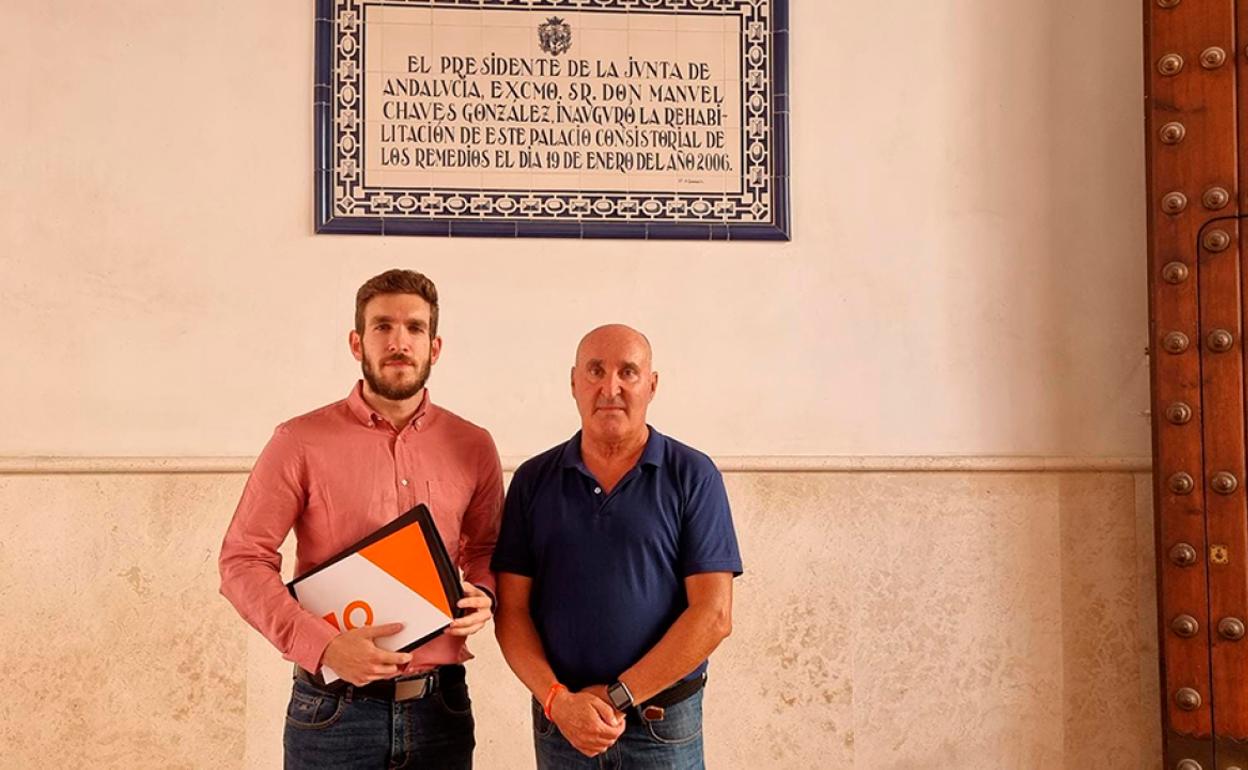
572	118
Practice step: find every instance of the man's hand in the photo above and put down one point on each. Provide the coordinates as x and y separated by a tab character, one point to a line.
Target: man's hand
479	602
356	658
600	691
587	721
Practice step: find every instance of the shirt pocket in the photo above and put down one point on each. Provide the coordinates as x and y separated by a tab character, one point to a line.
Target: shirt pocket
447	502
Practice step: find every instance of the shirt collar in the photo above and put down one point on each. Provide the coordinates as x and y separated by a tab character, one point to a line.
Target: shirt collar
651	455
367	415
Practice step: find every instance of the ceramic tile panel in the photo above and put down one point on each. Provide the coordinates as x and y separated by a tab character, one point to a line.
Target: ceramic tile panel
642	121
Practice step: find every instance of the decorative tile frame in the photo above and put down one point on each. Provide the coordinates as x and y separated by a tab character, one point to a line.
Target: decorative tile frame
346	203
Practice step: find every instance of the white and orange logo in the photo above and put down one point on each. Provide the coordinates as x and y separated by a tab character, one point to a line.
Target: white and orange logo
394	580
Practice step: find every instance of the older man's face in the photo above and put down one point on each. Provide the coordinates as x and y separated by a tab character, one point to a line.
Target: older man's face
613	384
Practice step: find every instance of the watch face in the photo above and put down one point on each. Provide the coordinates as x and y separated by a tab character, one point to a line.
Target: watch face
618	694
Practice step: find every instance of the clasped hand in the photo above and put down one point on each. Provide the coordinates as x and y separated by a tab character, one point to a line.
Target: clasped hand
587	720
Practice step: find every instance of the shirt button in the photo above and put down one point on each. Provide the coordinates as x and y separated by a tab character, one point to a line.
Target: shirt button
418	425
403	482
597	490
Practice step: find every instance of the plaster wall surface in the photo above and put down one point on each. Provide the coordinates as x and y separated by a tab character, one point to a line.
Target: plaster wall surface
966	275
885	620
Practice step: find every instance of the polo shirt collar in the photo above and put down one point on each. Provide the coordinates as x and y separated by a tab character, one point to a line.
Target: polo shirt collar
365	413
651	455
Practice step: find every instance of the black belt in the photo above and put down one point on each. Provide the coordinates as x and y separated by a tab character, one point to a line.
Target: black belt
401	689
654	708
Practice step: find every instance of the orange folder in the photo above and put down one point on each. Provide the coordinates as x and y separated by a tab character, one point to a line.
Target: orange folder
399	574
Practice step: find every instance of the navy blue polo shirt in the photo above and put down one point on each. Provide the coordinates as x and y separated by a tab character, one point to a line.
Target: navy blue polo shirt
608	569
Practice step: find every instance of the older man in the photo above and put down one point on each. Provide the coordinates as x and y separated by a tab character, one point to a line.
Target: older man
336	474
615	561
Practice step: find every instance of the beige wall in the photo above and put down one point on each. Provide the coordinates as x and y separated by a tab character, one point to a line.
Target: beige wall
886	620
966	275
966	282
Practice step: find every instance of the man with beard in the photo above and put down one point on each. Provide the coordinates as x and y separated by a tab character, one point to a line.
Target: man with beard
336	474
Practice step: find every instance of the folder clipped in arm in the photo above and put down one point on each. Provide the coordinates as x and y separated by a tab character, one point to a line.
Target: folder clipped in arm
399	574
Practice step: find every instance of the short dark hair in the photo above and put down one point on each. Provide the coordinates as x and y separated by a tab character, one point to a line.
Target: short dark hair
398	282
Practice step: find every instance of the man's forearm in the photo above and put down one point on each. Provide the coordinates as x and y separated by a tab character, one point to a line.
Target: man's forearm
256	590
688	642
522	649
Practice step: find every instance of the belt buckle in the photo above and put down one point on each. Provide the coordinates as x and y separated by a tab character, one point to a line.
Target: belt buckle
416	687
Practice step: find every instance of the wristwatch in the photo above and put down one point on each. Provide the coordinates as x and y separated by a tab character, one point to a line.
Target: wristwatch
620	696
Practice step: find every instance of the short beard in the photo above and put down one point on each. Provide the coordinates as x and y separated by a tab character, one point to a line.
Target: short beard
395	392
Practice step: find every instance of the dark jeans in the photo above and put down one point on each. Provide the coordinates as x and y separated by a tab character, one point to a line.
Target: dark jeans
325	730
673	743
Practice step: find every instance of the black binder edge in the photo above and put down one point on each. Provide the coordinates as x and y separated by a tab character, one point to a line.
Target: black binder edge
441	561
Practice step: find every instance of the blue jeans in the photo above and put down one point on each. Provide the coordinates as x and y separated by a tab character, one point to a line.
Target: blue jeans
325	729
673	743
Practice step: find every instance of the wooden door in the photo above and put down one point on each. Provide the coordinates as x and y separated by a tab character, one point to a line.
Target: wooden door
1195	81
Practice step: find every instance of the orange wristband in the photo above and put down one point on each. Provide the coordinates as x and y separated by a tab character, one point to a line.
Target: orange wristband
550	698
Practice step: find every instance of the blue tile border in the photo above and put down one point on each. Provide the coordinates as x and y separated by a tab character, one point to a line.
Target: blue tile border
345	225
780	202
323	131
781	162
753	232
324	75
458	228
664	231
614	230
484	228
440	227
322	199
780	15
779	63
539	229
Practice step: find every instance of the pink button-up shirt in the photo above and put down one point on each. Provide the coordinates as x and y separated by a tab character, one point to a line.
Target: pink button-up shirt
339	473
